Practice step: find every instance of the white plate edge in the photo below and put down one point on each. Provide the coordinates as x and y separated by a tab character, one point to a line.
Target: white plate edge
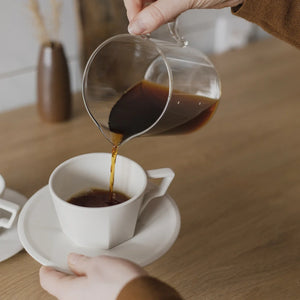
43	261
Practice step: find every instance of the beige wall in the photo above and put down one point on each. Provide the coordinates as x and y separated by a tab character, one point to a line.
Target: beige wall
20	48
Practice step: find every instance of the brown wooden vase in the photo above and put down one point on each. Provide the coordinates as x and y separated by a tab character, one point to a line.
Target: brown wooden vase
53	84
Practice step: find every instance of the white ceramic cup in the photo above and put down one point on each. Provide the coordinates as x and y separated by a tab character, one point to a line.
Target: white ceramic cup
103	227
6	208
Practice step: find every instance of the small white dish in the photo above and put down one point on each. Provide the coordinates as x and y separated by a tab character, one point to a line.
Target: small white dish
41	235
9	240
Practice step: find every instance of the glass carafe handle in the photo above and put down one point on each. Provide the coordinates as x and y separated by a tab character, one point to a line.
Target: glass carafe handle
173	29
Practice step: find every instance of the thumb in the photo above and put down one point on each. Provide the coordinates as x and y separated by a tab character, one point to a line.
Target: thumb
156	14
78	263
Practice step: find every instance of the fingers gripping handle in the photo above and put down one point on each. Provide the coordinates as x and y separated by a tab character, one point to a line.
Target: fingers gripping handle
11	207
167	175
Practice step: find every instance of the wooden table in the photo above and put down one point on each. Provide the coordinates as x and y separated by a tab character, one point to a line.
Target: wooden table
237	182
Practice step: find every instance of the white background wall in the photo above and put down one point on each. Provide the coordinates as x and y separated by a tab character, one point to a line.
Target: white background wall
19	50
210	31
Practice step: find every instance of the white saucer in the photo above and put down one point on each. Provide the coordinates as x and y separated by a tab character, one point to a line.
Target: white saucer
43	239
9	240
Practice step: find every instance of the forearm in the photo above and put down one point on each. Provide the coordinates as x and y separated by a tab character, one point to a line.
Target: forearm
280	18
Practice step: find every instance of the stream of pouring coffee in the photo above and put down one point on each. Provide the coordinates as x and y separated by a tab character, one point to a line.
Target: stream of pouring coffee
114	154
116	139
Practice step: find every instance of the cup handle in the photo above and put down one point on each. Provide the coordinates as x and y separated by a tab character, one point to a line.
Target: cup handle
167	176
11	207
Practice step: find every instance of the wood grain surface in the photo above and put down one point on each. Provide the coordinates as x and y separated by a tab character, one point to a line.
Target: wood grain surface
237	181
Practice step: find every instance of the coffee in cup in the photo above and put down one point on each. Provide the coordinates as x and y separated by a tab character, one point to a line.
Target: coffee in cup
98	198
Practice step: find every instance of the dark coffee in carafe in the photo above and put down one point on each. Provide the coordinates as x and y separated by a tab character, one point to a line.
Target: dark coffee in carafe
142	105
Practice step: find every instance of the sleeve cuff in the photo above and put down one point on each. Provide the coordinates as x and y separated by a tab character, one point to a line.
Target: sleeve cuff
148	288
